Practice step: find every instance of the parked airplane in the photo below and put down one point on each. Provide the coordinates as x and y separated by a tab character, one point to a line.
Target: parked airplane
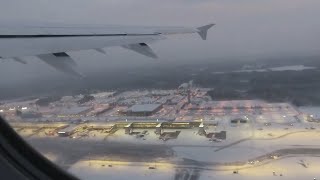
51	43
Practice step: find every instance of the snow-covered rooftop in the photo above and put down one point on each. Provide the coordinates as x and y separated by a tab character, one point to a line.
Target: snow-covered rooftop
73	110
144	107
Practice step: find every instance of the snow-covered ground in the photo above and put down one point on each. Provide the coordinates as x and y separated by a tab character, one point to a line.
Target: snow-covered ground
100	170
289	168
280	68
243	142
292	68
249	149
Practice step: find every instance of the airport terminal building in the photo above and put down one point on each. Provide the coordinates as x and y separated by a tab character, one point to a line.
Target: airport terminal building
143	109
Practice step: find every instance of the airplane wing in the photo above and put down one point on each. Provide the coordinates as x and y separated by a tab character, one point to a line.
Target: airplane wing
50	43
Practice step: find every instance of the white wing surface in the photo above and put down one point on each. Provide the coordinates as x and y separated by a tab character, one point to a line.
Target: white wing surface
48	42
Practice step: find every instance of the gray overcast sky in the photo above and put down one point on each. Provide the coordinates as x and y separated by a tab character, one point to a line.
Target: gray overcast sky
244	27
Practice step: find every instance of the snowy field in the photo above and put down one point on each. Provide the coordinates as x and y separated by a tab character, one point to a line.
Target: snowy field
289	168
248	149
100	170
281	68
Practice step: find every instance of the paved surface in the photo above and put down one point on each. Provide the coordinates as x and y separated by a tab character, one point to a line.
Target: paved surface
70	151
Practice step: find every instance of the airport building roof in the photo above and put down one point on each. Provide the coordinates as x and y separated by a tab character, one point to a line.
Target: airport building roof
239	104
103	94
74	110
313	111
144	107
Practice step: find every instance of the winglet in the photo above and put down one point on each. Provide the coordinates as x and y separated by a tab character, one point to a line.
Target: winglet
202	31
